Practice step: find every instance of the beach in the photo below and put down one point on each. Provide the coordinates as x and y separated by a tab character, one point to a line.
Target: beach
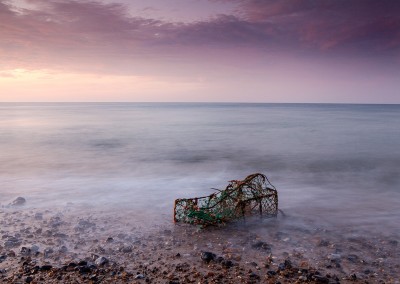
78	245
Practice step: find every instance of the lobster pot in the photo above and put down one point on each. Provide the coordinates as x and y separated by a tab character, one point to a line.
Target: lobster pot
253	195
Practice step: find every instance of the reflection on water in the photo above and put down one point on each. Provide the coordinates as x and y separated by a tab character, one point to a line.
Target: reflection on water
341	159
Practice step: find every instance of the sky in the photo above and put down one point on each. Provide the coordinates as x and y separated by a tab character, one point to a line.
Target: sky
273	51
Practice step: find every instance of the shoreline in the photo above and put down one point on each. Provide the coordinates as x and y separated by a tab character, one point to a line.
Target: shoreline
73	246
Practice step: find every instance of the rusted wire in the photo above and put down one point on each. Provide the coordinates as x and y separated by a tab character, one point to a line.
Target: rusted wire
253	195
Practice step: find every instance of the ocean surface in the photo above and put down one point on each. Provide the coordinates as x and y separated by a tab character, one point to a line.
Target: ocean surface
338	162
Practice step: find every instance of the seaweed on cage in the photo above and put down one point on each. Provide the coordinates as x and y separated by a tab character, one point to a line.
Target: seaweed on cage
253	195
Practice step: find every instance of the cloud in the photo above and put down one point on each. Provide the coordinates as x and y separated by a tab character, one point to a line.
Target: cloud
357	26
100	36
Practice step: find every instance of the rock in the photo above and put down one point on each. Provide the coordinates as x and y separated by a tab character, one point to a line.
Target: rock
227	263
34	249
139	276
25	251
101	261
352	258
320	279
11	253
48	251
254	276
63	249
28	279
39	216
126	249
285	265
261	246
323	243
45	268
207	256
12	242
334	257
83	269
3	258
18	201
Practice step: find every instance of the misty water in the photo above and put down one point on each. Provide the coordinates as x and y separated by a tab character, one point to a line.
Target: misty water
337	163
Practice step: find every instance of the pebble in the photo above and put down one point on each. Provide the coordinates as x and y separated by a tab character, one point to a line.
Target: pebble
101	261
46	267
139	276
227	263
261	245
334	256
320	279
207	256
352	258
25	251
18	201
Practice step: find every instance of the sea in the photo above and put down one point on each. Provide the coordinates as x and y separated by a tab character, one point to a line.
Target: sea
339	163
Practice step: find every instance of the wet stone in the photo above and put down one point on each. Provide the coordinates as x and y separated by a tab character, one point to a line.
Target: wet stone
320	279
25	251
18	201
12	242
208	256
139	276
254	276
285	265
352	258
261	246
323	243
101	261
46	268
48	251
39	216
227	263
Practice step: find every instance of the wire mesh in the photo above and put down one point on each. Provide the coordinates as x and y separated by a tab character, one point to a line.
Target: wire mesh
253	195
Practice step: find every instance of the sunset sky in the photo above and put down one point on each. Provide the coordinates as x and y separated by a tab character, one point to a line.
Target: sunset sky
333	51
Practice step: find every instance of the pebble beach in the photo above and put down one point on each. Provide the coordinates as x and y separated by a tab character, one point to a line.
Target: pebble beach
85	245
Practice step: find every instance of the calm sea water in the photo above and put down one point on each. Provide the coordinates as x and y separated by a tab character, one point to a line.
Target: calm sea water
334	161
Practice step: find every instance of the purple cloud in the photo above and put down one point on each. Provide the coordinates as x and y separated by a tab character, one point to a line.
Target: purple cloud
63	32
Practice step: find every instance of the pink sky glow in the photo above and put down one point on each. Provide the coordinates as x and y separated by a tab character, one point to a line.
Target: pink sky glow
342	51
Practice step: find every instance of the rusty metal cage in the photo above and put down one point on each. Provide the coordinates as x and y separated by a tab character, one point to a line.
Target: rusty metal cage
253	195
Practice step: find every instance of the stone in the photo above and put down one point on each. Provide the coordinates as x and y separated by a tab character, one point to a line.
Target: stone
139	276
261	246
334	257
285	265
28	279
18	201
45	268
227	263
207	256
25	251
320	279
101	261
352	258
12	242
